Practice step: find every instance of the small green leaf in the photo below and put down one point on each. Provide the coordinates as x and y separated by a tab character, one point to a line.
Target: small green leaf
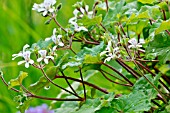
144	15
163	6
61	59
147	1
42	82
71	64
165	25
93	92
91	21
89	59
18	80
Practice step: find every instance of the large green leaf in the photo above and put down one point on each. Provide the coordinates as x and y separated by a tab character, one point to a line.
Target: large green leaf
135	102
160	47
165	25
143	85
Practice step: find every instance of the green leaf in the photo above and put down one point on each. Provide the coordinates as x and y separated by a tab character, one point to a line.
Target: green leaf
91	21
163	6
42	82
41	44
143	85
144	15
89	59
18	80
147	1
61	59
91	51
160	47
71	64
107	110
113	12
135	102
139	26
165	25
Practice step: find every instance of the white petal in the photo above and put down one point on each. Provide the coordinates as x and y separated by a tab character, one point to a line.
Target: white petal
131	46
50	57
103	53
39	59
25	47
41	9
59	36
21	62
27	65
82	10
31	61
87	8
54	39
54	31
75	12
72	20
47	39
51	10
61	44
54	48
46	61
82	28
45	13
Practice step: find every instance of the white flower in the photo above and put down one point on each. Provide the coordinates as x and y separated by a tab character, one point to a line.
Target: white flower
26	55
27	60
56	39
77	27
45	7
43	54
20	54
86	10
134	43
110	52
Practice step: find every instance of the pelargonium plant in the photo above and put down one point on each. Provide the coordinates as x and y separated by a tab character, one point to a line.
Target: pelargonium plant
121	44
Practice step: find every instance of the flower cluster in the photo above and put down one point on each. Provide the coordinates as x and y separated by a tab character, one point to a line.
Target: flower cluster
79	13
43	54
134	44
46	7
56	40
110	52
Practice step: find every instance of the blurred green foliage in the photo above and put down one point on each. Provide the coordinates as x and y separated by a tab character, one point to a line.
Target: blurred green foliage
19	25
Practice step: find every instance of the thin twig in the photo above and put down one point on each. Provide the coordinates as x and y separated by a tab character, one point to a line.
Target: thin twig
113	76
114	81
68	83
3	80
54	99
86	83
83	84
57	84
107	65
